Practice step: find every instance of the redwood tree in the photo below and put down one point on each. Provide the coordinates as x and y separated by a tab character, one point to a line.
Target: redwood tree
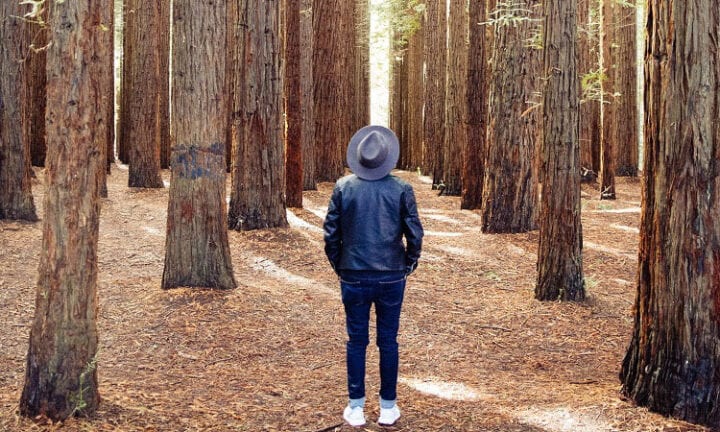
294	105
34	82
145	96
197	252
434	86
474	150
16	200
61	374
509	190
306	92
625	131
258	171
608	106
560	274
673	360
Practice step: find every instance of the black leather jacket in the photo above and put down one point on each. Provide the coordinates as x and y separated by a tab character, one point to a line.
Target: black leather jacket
366	222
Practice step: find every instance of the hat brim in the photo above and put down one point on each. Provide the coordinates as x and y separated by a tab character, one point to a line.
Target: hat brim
383	169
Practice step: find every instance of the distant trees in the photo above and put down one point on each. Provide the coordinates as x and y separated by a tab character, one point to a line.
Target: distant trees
295	104
61	373
197	252
672	363
560	274
16	200
434	89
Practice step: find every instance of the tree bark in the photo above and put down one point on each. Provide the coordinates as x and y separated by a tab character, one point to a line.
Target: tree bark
625	131
294	105
16	200
510	185
415	99
197	252
672	363
589	63
306	75
608	116
258	184
34	83
61	375
146	26
362	26
560	274
434	90
455	98
474	150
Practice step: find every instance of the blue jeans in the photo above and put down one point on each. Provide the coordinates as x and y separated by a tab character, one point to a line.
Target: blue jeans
359	291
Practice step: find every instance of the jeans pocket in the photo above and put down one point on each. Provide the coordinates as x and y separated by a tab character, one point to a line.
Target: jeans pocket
351	292
391	293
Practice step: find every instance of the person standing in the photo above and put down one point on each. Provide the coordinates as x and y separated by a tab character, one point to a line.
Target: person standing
370	212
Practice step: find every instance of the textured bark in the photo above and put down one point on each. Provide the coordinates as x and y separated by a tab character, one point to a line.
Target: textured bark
258	181
608	117
560	274
61	374
415	99
398	101
362	26
145	97
16	200
306	76
589	62
34	83
434	90
510	186
672	363
106	114
625	132
294	105
455	99
474	150
330	94
197	252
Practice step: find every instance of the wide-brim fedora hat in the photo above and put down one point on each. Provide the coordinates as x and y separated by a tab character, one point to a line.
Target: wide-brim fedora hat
373	152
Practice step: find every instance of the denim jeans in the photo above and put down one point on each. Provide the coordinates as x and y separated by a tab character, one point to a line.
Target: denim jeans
360	290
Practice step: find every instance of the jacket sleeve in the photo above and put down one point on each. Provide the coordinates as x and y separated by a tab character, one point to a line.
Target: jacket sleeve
413	230
332	229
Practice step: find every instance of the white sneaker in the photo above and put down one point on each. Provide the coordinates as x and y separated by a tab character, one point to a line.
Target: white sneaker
355	417
388	416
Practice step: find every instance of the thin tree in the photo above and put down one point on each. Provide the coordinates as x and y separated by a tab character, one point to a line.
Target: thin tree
455	100
589	64
306	92
145	91
560	274
294	105
61	374
34	82
362	69
474	150
197	251
434	87
672	363
16	200
510	185
415	95
608	105
257	199
105	122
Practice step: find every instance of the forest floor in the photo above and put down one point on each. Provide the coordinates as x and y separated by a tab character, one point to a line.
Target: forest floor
478	353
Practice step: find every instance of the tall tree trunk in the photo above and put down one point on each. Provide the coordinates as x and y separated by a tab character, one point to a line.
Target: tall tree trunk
34	84
258	183
362	25
197	252
625	131
455	99
61	375
294	105
146	25
672	363
510	186
330	87
474	150
306	76
16	200
608	116
415	99
434	90
398	101
106	114
560	274
589	63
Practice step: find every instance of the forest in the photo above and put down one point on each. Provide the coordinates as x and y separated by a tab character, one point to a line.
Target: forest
166	167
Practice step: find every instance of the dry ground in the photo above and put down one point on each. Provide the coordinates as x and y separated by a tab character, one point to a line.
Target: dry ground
478	353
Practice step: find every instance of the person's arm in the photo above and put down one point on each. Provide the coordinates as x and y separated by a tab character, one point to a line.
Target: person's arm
332	230
413	230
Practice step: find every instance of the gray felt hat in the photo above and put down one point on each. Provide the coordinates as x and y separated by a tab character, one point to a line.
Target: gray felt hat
373	152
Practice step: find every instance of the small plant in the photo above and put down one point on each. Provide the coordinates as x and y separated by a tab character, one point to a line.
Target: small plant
78	399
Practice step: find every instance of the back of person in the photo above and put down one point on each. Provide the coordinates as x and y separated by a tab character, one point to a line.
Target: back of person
369	214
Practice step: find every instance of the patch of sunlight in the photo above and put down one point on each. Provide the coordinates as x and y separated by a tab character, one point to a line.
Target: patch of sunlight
296	222
153	231
563	420
319	212
442	234
622	281
443	218
622	210
455	250
425	179
609	250
122	166
625	228
276	272
166	183
443	389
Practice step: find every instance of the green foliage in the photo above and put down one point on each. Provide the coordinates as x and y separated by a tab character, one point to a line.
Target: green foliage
511	12
404	17
78	399
591	84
